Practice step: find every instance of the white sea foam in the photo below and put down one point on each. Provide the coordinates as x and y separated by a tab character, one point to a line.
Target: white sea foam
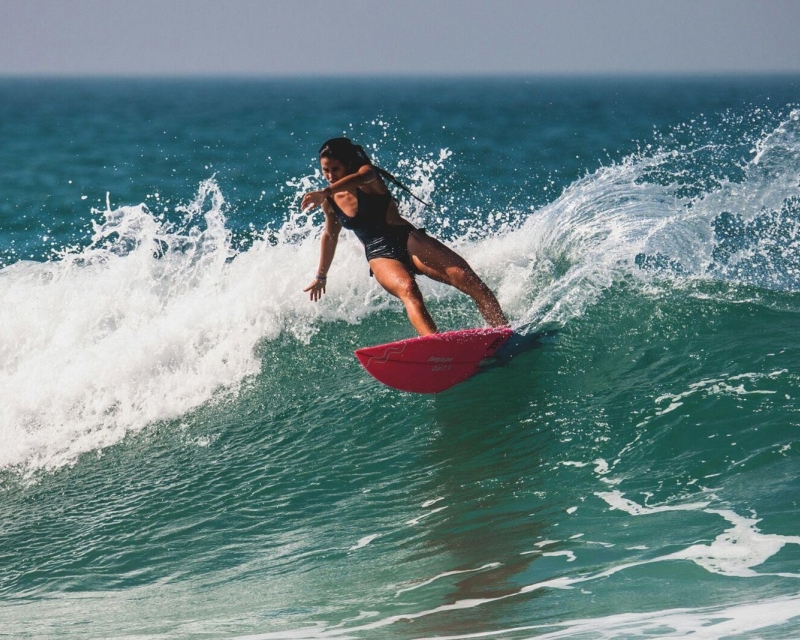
145	324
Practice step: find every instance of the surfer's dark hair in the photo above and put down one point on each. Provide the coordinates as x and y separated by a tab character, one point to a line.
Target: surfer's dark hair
350	155
353	157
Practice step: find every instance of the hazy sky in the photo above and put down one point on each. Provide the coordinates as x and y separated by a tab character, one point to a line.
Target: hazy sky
376	37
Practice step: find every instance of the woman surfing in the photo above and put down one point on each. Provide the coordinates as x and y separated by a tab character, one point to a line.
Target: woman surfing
357	198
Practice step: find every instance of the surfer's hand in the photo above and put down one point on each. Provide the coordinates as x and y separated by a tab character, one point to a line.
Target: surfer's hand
317	288
314	199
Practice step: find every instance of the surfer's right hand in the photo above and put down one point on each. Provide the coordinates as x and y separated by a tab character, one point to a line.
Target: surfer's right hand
314	199
317	288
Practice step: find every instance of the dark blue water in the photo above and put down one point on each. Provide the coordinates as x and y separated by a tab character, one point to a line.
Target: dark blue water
188	447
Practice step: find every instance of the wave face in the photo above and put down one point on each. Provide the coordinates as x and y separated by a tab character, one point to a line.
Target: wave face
188	447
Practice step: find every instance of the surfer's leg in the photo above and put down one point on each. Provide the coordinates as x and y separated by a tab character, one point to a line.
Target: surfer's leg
393	276
439	262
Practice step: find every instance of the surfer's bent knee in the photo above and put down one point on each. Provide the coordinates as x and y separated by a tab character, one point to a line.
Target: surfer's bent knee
407	288
463	277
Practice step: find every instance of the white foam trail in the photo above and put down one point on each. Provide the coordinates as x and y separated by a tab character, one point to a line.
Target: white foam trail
734	552
446	574
719	386
616	500
418	519
363	542
707	623
738	549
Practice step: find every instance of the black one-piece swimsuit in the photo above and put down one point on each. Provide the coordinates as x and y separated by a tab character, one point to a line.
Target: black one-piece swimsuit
380	239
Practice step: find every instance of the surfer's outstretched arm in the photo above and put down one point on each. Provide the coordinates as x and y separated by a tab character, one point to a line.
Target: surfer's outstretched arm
330	238
364	175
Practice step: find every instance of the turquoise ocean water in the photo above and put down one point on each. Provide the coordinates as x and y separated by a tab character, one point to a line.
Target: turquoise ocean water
189	449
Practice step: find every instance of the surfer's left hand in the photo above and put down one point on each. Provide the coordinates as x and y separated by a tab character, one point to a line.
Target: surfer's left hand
317	288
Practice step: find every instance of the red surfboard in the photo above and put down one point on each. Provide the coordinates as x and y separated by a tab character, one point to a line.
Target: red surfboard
430	364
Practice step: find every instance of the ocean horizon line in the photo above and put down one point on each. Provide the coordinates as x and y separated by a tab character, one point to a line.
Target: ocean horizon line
435	77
